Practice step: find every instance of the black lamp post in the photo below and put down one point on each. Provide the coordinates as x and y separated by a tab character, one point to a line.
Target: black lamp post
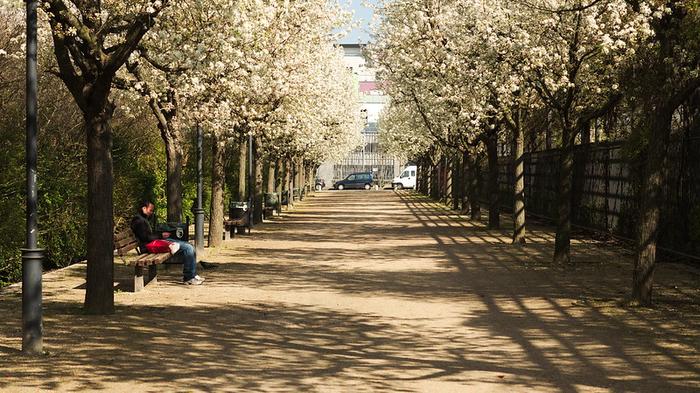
251	179
199	211
32	257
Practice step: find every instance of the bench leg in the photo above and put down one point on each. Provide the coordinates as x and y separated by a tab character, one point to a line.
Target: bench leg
152	274
138	278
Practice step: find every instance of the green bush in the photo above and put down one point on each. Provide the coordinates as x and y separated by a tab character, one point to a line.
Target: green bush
139	171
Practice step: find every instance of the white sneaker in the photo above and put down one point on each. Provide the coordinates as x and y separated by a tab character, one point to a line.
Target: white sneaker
193	281
200	278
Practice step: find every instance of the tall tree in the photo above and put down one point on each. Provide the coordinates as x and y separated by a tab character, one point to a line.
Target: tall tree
667	78
574	53
91	42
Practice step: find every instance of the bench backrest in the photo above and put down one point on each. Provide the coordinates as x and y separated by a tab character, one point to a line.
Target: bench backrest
124	242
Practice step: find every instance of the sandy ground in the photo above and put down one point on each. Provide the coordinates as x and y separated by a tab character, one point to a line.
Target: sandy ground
370	291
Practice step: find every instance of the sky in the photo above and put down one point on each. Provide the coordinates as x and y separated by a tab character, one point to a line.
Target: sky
363	15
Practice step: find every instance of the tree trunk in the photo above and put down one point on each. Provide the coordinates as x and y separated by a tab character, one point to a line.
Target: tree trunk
562	243
99	293
440	177
286	177
434	181
258	195
494	195
174	156
310	178
290	182
428	178
216	214
650	206
427	172
518	184
172	137
279	182
473	188
241	194
464	184
270	176
586	135
456	182
302	178
419	177
548	132
297	178
438	181
305	180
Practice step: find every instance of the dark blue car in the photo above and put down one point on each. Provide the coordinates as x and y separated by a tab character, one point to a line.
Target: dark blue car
355	180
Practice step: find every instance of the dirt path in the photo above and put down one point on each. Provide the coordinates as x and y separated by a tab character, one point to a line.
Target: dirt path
370	291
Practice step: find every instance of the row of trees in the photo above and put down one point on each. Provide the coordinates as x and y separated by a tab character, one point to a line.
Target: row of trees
469	76
264	70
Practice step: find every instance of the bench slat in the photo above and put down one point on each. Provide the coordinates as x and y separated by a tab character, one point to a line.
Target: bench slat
123	235
144	260
124	243
125	250
151	259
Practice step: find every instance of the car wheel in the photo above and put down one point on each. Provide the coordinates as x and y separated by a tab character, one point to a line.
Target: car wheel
368	186
340	186
398	186
318	187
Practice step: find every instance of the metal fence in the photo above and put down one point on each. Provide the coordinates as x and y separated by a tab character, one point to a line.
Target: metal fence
605	190
368	158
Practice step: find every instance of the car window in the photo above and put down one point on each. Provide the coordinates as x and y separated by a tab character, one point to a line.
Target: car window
351	177
404	174
413	173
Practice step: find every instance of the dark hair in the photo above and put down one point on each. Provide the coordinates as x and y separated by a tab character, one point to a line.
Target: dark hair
144	203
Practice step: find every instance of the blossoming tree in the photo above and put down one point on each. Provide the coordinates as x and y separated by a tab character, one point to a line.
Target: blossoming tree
92	40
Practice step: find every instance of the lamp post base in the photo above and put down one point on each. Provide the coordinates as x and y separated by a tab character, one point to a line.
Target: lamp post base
199	231
32	327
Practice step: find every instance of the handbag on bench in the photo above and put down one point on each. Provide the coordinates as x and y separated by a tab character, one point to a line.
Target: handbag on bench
160	246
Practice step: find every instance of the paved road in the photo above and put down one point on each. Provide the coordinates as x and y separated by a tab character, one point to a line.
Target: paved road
370	291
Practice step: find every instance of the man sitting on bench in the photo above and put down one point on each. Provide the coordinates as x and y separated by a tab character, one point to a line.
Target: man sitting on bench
142	230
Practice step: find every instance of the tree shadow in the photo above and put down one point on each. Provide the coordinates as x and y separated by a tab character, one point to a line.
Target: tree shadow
334	306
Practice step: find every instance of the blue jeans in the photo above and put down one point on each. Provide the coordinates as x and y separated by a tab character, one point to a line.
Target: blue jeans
189	259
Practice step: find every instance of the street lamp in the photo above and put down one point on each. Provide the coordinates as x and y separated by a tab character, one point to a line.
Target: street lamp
32	257
251	179
199	211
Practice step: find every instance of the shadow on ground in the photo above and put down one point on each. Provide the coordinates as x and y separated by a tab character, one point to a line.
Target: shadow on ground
365	291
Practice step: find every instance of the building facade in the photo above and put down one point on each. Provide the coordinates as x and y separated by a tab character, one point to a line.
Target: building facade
369	157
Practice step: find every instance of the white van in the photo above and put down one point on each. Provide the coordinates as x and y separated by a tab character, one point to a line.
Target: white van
407	179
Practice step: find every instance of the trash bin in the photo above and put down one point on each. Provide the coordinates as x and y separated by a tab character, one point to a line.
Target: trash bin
237	210
271	199
178	230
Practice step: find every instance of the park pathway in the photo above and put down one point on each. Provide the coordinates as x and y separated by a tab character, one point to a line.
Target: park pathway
364	292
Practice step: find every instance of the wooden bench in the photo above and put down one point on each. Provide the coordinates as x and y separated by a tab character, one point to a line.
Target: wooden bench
230	226
124	242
